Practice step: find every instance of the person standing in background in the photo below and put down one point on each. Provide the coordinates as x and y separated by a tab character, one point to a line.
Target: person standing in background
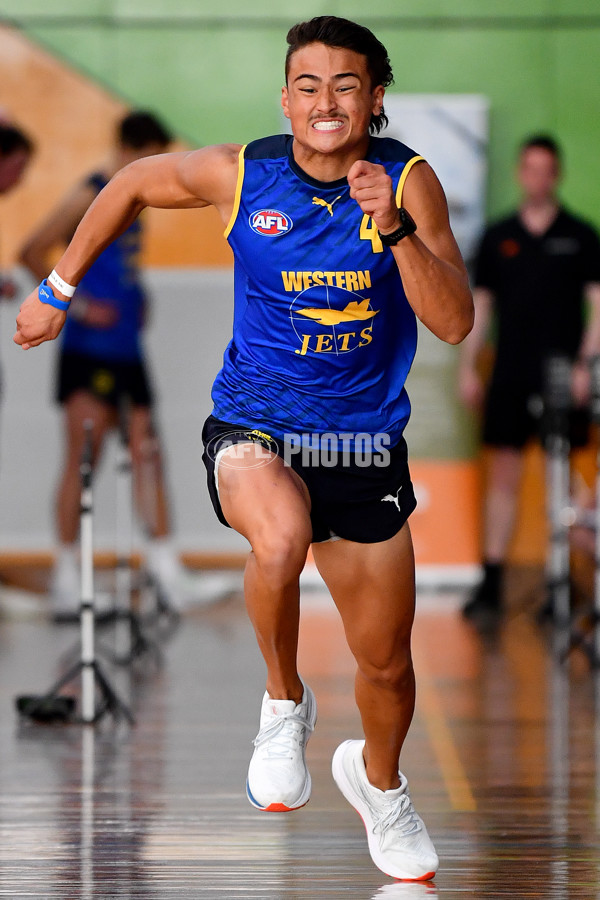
102	366
16	150
537	274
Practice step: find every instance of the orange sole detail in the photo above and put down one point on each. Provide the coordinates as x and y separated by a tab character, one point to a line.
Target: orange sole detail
428	877
280	807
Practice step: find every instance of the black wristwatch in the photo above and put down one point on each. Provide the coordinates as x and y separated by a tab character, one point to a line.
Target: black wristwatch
407	226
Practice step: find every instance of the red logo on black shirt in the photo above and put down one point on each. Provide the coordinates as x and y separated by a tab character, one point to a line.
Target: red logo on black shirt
510	248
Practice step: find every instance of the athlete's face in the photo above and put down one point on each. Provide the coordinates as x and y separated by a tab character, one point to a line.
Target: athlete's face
12	168
329	99
538	173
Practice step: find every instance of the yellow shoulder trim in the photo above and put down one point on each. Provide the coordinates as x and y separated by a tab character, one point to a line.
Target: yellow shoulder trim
404	176
238	193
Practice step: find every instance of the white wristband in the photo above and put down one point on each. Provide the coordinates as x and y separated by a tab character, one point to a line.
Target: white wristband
56	281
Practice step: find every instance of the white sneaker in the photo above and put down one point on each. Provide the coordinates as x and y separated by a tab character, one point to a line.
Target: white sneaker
182	588
65	589
398	841
278	779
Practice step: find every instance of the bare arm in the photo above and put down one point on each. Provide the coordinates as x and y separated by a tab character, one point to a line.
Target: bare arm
470	384
56	230
590	345
432	270
169	181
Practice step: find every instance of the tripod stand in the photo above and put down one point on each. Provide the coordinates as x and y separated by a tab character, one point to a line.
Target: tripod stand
52	706
588	639
557	403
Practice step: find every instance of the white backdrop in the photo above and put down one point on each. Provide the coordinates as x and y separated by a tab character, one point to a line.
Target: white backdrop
451	132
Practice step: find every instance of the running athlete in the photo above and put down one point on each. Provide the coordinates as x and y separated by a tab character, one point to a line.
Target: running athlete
538	274
102	372
339	238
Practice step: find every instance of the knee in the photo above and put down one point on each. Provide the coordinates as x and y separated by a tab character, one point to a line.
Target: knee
280	554
387	669
74	456
144	450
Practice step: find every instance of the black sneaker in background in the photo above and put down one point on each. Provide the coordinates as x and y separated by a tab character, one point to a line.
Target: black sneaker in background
485	606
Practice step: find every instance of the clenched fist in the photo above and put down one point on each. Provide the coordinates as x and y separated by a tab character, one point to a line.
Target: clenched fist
37	322
371	187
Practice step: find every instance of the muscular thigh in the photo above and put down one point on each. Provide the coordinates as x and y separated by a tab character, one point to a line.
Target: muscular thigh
259	493
373	588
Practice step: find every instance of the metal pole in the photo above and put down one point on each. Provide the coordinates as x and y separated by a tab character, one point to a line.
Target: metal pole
88	692
124	536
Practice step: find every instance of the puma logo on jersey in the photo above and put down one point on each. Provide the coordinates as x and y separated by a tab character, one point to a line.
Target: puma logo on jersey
318	201
393	499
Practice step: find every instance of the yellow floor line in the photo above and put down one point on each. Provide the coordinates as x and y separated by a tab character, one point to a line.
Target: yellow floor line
455	778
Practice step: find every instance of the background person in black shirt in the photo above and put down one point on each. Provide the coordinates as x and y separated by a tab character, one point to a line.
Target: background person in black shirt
536	272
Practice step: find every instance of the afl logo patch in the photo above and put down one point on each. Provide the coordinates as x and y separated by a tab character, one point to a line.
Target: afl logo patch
270	222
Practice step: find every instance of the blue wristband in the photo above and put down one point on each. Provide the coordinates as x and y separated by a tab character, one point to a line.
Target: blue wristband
45	295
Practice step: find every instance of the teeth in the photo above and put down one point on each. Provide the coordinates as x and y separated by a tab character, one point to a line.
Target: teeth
327	126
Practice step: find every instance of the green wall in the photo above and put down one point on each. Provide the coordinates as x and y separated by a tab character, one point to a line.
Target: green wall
215	70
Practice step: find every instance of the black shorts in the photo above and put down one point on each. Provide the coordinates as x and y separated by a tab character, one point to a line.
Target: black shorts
513	416
107	381
358	498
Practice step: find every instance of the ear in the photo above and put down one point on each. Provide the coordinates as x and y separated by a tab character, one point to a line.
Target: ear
284	102
378	93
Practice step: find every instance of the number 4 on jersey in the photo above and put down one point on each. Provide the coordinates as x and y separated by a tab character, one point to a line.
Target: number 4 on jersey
368	232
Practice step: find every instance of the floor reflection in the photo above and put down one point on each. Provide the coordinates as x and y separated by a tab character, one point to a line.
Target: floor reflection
503	761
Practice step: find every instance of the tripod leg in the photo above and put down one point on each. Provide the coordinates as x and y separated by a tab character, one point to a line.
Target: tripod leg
558	565
112	701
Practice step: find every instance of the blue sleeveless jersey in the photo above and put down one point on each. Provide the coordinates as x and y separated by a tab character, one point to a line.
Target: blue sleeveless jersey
323	336
113	279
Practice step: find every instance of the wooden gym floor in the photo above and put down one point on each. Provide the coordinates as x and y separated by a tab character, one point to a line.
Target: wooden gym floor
503	760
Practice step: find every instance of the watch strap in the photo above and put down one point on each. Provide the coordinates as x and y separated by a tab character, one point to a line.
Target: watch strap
407	226
46	295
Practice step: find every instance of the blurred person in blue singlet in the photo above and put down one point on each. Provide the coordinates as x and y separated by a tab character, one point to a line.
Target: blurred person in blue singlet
341	239
102	364
16	150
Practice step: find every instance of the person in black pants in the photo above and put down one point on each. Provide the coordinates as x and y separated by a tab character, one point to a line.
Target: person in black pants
537	274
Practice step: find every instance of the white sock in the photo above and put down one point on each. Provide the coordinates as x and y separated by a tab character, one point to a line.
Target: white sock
66	555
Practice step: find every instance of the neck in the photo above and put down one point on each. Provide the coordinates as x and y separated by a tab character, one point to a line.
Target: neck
538	215
326	166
